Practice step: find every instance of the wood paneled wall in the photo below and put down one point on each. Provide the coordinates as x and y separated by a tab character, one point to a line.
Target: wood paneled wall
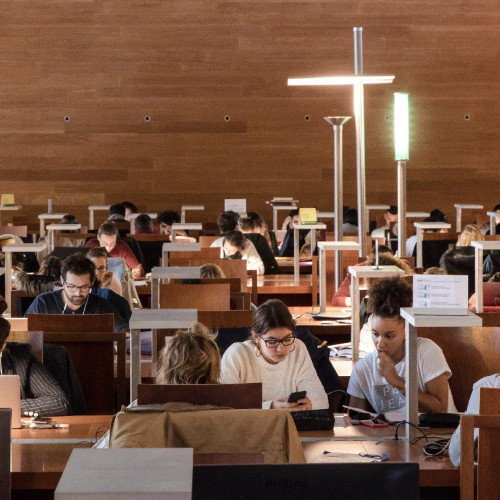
79	77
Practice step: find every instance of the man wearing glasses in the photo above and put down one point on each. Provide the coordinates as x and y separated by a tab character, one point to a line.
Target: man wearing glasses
78	276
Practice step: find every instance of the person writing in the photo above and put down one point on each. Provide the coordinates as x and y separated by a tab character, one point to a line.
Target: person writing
378	379
274	357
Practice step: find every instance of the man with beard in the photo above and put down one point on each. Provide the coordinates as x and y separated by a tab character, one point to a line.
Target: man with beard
77	277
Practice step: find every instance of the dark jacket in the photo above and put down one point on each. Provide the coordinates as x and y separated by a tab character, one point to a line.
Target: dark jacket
266	254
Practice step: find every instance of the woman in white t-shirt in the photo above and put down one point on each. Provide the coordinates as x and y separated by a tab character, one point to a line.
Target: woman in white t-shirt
378	379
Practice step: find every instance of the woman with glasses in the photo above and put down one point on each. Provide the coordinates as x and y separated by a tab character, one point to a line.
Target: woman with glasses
276	358
107	279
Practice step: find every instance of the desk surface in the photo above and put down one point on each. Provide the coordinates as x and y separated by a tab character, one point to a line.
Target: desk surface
39	465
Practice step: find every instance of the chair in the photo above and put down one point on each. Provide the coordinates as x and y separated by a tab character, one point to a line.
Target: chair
210	431
151	246
237	396
5	445
21	231
89	340
215	297
471	353
206	241
20	302
434	245
488	423
34	338
71	239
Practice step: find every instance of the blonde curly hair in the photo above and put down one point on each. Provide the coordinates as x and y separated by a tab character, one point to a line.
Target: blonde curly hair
190	357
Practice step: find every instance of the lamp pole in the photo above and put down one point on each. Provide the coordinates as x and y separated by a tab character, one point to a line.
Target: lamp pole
401	155
337	123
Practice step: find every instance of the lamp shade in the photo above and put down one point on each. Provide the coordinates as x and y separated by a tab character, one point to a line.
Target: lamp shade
401	127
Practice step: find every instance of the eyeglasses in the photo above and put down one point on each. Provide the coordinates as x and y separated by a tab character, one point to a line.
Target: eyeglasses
101	268
74	288
273	343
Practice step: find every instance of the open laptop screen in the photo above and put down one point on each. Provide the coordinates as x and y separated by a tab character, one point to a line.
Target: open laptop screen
10	397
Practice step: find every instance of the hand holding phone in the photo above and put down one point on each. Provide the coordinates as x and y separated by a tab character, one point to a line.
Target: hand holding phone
296	396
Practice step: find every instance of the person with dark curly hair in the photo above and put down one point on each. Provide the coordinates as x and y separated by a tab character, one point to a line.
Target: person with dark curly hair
378	379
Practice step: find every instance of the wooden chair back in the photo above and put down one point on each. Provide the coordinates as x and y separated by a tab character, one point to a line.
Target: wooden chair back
71	322
21	231
226	319
93	356
471	353
34	338
488	422
5	451
16	299
71	239
203	253
214	297
238	396
490	318
150	237
206	241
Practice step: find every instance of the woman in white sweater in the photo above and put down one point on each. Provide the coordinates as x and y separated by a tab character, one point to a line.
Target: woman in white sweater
276	358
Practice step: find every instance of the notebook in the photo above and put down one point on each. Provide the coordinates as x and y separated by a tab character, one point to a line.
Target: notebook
10	397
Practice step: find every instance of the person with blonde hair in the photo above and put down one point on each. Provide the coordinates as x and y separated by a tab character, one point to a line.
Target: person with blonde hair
190	357
460	259
470	233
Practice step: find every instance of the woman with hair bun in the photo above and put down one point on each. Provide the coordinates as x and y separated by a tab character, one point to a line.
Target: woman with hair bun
190	357
378	379
276	358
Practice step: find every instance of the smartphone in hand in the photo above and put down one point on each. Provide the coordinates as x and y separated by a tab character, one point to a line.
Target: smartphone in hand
296	396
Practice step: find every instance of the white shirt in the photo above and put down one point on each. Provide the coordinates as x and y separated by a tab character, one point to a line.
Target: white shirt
240	364
473	409
367	383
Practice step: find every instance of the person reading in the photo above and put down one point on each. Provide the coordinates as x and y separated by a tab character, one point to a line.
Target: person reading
377	381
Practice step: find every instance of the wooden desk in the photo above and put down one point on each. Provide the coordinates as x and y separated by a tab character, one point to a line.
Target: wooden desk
38	466
284	287
435	472
334	333
40	455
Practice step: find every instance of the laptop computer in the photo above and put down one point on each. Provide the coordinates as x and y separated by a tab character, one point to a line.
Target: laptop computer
10	397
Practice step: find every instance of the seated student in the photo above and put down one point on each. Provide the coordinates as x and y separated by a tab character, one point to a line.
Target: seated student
460	259
45	280
435	216
211	271
107	279
247	227
378	379
391	217
117	213
342	297
493	381
305	236
260	226
143	224
227	221
69	219
40	392
190	357
236	246
107	237
350	222
130	209
77	277
276	358
166	219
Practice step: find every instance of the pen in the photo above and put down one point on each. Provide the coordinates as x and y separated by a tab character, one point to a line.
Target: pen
322	344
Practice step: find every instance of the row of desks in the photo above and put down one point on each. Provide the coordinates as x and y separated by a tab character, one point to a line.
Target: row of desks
40	455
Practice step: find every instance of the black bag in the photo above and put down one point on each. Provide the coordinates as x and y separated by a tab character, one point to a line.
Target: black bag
314	420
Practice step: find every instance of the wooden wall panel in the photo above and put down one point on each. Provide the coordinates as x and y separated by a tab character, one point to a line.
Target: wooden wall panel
211	75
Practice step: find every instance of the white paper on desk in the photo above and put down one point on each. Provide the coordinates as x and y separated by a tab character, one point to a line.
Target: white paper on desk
238	205
336	457
438	291
140	283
